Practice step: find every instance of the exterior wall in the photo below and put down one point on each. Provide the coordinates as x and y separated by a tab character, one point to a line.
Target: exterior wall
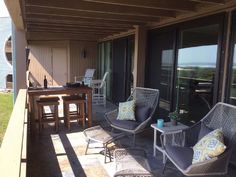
5	66
41	54
78	64
41	61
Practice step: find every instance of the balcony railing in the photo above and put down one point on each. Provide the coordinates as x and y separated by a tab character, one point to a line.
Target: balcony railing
13	151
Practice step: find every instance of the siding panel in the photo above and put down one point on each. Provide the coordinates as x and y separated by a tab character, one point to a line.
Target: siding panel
78	64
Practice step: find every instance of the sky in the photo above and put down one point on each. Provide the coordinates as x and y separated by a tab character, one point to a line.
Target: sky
200	55
3	9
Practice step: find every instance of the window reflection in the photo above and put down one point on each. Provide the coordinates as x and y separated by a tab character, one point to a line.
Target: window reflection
233	80
195	72
166	73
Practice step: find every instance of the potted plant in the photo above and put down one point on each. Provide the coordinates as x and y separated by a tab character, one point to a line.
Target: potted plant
174	117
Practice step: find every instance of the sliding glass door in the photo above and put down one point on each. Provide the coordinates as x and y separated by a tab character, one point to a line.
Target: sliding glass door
184	64
232	86
117	57
196	71
122	57
105	65
160	66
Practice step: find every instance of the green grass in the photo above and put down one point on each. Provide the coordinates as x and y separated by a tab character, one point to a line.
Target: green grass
6	106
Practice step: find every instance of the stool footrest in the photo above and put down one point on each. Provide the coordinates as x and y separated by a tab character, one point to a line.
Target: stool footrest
78	114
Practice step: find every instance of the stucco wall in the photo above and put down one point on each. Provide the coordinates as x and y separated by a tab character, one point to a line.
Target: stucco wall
5	66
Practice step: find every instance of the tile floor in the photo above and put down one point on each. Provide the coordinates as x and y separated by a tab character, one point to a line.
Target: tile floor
62	154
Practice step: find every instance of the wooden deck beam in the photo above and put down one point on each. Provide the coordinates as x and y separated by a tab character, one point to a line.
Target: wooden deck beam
180	5
80	5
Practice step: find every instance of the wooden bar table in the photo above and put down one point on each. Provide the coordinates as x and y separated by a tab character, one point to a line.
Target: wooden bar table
36	92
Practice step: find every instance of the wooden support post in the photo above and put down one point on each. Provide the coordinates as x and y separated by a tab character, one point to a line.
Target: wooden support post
139	56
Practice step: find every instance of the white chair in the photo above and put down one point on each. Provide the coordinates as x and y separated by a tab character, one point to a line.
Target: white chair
87	78
99	90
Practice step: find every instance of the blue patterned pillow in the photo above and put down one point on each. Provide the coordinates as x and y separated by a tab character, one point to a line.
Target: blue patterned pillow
126	110
210	146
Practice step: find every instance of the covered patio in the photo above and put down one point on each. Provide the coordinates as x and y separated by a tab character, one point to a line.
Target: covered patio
185	49
63	154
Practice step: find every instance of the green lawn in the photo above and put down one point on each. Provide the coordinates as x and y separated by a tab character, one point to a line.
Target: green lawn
6	105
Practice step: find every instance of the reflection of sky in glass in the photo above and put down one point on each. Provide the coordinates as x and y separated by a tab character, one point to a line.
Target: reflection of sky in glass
167	57
201	56
234	65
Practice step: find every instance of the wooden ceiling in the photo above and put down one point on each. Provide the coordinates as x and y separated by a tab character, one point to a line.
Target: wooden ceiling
97	19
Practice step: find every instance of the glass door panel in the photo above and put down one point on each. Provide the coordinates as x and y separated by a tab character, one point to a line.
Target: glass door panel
105	64
196	70
160	67
232	95
122	59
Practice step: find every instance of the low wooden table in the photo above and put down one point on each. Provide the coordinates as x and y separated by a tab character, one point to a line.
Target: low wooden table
167	128
98	134
33	93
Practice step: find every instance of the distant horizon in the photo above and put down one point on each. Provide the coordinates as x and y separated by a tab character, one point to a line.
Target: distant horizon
198	64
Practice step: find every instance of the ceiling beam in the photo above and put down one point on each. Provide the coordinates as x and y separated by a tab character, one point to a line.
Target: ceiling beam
47	36
86	26
65	18
82	14
64	31
31	28
78	28
100	8
66	22
14	9
180	5
214	2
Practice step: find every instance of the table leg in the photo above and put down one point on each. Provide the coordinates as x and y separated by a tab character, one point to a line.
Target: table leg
105	152
183	142
32	114
163	152
87	147
154	142
89	109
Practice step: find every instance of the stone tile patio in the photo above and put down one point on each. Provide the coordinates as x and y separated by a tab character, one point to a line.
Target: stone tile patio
62	154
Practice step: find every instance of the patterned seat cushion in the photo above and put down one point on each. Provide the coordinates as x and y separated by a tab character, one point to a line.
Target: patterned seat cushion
126	110
211	145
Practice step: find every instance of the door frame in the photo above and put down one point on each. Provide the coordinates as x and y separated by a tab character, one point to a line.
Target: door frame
206	21
230	58
220	19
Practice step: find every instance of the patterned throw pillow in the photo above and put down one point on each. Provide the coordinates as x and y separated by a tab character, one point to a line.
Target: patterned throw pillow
211	145
126	111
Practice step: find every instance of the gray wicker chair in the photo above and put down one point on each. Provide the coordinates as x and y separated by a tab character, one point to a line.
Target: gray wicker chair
146	101
223	116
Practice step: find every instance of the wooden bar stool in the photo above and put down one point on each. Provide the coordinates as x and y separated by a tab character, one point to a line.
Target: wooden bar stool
77	114
47	114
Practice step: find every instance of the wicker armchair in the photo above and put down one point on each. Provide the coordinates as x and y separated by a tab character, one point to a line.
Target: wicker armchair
223	116
146	99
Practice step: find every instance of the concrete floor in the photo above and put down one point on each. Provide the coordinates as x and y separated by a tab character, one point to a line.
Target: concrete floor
62	154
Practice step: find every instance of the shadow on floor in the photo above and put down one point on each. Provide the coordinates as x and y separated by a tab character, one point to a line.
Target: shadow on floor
63	154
